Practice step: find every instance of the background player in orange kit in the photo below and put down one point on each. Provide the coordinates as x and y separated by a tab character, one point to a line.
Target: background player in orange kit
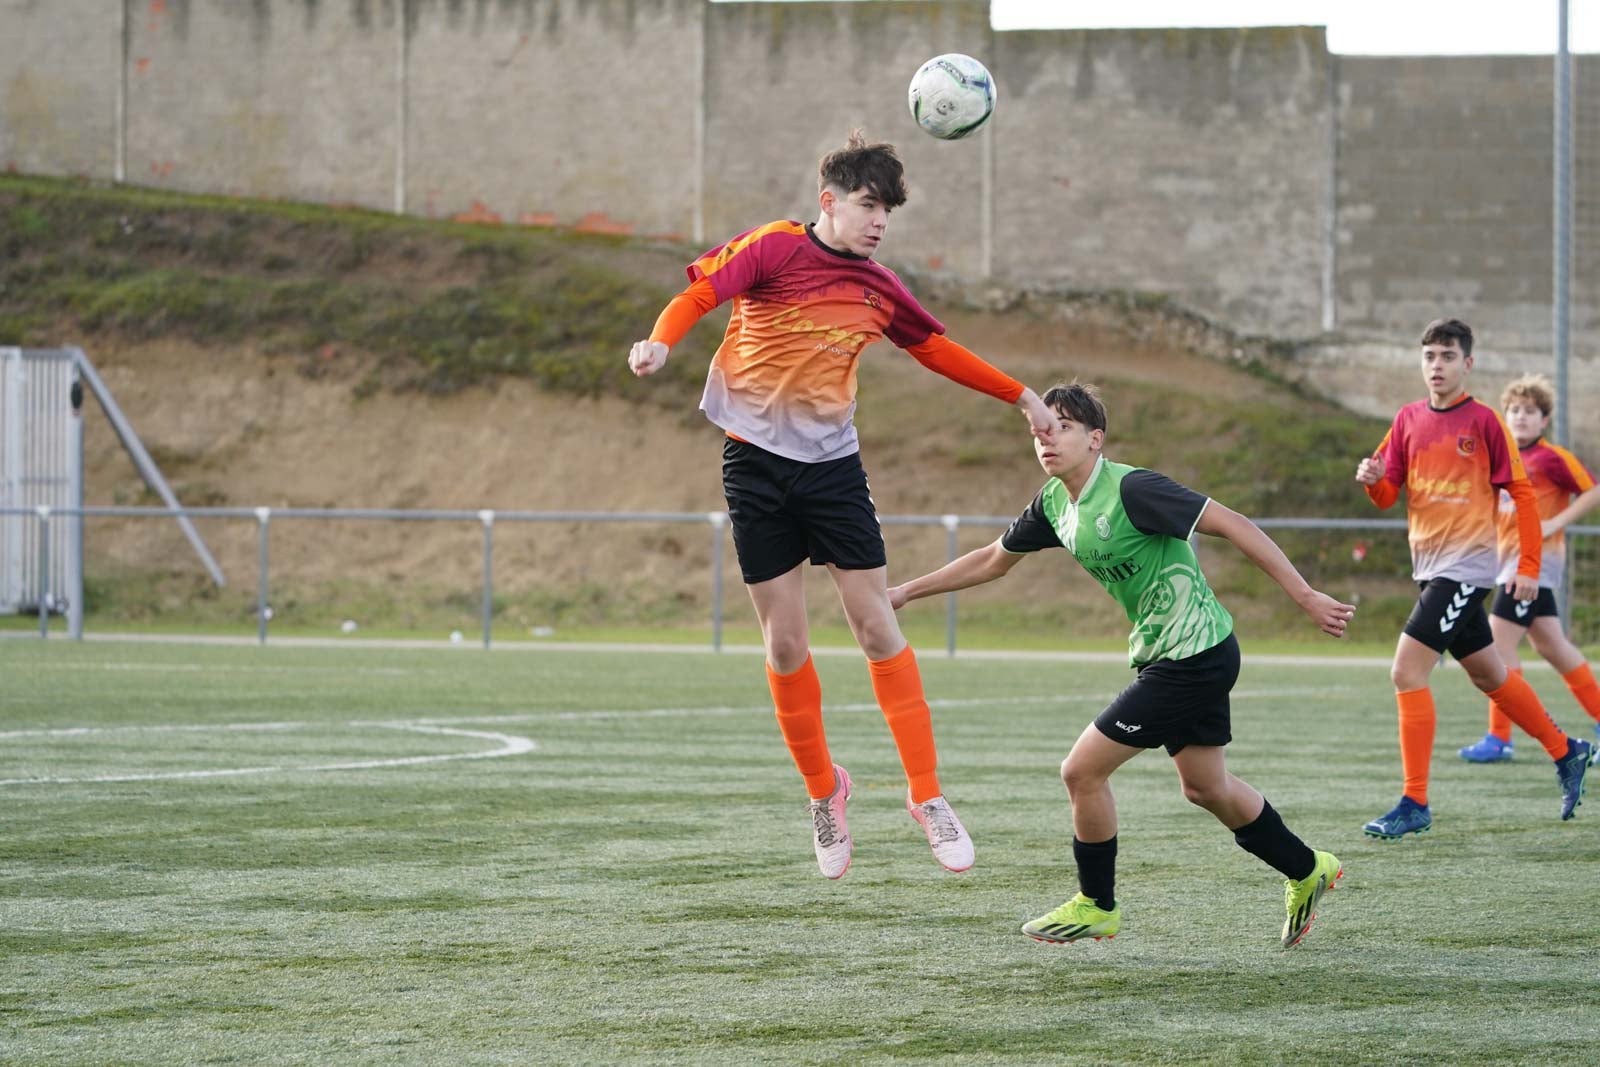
807	299
1452	455
1557	477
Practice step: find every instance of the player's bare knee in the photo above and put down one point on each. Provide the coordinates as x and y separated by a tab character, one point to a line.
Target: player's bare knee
787	652
1202	794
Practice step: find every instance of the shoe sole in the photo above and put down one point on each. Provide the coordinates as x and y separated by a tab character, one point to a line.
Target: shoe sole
1306	929
1395	837
1070	940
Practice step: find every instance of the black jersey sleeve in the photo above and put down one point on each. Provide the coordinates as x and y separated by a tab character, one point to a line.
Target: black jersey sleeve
1030	531
1156	504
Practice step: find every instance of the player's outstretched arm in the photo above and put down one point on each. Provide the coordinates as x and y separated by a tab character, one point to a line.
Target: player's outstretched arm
975	568
1329	614
1580	506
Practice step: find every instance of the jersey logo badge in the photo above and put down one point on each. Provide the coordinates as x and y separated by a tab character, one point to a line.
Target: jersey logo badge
1466	445
1102	526
872	298
1135	728
1452	610
1523	607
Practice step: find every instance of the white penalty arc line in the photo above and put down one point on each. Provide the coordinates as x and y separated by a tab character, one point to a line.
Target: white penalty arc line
510	745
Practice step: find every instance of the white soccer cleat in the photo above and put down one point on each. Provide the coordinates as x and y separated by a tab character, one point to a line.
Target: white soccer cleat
947	837
829	832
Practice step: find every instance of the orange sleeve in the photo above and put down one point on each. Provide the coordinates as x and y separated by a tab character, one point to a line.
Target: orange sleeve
683	311
1383	492
1529	532
943	356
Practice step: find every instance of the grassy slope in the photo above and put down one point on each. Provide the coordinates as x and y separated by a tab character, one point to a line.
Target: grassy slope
442	307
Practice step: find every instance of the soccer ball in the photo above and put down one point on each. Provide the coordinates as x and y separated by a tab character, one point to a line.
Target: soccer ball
951	95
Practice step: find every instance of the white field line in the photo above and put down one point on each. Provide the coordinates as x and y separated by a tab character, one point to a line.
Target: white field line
510	745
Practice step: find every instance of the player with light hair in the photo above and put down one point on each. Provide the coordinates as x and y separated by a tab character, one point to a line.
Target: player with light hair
808	299
1565	492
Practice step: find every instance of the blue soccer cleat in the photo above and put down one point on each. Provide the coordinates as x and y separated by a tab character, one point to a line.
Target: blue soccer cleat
1570	771
1489	750
1408	817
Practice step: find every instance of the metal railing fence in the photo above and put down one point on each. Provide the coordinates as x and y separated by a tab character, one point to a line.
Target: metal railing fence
716	523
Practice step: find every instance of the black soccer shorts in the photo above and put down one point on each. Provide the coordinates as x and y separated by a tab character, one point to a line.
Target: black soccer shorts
784	511
1177	702
1523	612
1449	617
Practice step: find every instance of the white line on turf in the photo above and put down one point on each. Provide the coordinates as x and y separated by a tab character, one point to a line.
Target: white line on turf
510	745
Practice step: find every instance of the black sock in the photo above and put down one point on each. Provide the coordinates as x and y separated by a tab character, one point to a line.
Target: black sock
1097	871
1276	845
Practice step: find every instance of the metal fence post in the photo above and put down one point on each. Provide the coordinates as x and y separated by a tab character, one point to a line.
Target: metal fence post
263	609
486	516
717	519
951	524
43	511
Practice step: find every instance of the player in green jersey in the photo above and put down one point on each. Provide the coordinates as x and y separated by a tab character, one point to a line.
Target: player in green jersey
1130	529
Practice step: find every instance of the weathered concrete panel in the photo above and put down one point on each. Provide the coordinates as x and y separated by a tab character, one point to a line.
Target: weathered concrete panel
787	82
60	61
559	111
291	99
1189	162
1445	196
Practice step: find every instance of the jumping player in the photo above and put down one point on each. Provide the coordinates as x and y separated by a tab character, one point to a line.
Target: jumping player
1452	455
807	299
1565	491
1130	529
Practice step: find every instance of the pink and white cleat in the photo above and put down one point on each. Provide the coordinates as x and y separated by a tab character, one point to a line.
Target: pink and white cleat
830	835
948	838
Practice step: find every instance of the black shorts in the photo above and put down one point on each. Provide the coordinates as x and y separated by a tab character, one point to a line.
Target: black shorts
1523	612
784	511
1449	617
1176	702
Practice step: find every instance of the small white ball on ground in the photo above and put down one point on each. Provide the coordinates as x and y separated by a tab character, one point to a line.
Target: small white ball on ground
348	626
455	637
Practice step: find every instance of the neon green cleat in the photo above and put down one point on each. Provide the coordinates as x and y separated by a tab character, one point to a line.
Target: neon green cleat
1300	897
1076	919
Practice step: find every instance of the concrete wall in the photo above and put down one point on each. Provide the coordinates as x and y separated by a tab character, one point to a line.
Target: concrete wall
60	71
556	111
785	84
272	99
1247	174
1192	162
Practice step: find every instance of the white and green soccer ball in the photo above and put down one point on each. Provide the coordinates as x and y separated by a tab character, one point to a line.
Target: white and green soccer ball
951	96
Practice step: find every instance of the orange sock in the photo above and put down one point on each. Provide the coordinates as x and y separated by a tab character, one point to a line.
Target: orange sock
798	700
1499	721
1521	703
1417	719
1585	689
897	684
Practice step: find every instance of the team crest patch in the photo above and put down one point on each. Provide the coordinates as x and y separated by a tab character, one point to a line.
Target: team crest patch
872	298
1466	445
1102	526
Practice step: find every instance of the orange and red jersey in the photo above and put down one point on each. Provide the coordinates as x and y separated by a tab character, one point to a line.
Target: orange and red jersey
1557	475
784	377
1451	464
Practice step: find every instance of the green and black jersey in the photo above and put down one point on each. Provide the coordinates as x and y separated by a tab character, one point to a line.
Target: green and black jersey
1130	529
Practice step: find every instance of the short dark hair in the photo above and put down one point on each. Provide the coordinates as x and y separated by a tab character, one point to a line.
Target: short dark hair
1443	331
1078	401
858	164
